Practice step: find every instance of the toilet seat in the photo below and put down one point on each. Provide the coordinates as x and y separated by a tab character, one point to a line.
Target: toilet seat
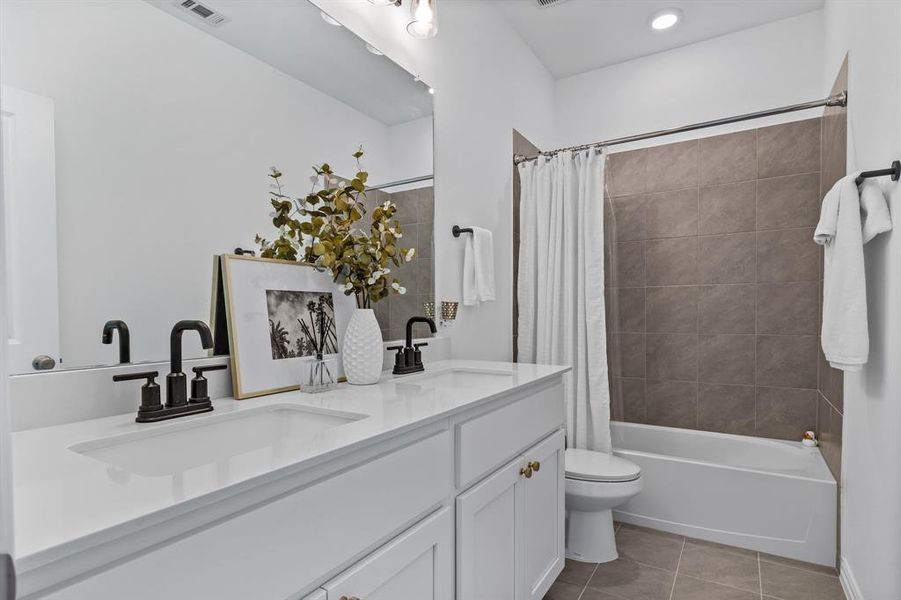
588	465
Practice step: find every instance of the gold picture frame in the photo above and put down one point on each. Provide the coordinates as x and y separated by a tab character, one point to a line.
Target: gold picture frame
246	282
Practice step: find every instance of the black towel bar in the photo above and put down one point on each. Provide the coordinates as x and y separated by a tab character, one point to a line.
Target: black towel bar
894	172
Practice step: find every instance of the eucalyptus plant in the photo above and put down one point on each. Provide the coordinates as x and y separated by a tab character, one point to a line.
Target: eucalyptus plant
326	229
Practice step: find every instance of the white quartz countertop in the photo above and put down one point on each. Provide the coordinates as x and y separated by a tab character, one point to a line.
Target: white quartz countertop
63	497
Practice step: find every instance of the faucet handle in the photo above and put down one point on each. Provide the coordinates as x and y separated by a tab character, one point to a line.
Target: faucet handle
148	375
417	353
199	371
199	390
399	360
150	391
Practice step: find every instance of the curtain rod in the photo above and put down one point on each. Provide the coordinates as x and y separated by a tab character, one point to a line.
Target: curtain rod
401	182
840	99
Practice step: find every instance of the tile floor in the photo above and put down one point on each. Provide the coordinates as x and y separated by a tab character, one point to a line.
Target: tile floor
654	565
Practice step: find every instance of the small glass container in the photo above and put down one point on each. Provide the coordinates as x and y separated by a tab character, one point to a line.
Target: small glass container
428	309
318	374
448	312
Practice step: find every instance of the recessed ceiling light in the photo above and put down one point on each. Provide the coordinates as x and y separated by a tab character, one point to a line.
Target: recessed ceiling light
665	19
373	50
329	19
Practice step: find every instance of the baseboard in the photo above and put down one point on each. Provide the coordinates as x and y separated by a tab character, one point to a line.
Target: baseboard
849	584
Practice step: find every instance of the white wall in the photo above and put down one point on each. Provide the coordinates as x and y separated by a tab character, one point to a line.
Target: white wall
487	82
164	137
411	145
764	67
6	491
871	455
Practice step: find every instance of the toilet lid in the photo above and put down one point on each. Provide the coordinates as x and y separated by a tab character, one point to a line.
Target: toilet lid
589	465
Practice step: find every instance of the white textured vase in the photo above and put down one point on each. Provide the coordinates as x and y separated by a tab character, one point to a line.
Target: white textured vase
362	352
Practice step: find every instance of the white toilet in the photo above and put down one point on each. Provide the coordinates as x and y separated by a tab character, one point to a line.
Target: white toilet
596	483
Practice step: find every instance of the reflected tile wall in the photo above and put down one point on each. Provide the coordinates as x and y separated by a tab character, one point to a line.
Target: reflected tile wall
415	212
715	283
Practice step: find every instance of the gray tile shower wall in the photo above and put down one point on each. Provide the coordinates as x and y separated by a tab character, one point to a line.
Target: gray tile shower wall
415	212
714	285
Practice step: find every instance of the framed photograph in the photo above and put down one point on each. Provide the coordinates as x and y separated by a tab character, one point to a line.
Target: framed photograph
272	309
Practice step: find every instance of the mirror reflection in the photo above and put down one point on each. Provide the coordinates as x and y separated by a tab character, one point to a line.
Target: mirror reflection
126	171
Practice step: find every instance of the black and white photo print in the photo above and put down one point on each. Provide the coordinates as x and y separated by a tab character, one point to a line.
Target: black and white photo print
301	323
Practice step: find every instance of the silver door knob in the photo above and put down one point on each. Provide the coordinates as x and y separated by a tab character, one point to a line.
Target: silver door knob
43	363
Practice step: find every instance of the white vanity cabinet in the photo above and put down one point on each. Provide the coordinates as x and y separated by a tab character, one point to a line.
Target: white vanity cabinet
466	506
291	544
417	565
510	527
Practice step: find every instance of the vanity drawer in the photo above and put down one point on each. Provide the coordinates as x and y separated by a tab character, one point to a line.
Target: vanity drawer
288	546
489	440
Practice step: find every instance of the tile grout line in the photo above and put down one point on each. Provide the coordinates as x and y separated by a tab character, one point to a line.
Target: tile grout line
596	566
760	575
590	577
676	573
756	288
697	327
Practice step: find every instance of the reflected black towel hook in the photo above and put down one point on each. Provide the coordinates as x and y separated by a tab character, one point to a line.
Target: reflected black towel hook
457	230
894	172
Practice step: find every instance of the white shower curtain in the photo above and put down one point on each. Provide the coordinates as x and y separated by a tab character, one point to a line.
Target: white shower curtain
561	285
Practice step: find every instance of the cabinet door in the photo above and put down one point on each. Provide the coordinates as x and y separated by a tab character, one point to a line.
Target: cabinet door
486	537
417	565
540	519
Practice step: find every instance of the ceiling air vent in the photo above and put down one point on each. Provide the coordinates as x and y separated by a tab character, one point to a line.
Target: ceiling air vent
548	3
209	16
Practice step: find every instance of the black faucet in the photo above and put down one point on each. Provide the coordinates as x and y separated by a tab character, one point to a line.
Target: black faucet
177	402
176	381
409	356
124	338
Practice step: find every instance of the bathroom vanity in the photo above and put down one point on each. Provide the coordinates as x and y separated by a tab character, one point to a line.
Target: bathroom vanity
447	484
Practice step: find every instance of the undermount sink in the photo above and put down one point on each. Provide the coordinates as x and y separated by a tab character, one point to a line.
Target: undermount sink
176	448
463	378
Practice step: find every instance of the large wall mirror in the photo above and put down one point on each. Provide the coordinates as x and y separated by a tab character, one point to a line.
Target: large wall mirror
137	141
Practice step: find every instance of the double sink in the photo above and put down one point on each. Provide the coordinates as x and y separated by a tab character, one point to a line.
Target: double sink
172	448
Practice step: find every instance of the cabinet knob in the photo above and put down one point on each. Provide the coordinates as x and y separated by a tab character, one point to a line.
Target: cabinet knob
348	598
535	465
526	472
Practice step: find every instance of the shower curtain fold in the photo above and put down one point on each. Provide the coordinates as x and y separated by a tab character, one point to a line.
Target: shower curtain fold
561	285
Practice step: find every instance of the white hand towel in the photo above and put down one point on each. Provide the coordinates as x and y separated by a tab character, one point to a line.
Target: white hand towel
478	267
849	218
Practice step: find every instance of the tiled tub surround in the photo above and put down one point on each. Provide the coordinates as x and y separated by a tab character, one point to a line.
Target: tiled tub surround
416	214
830	409
660	566
713	296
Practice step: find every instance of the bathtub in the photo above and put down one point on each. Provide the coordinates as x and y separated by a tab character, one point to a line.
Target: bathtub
767	495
